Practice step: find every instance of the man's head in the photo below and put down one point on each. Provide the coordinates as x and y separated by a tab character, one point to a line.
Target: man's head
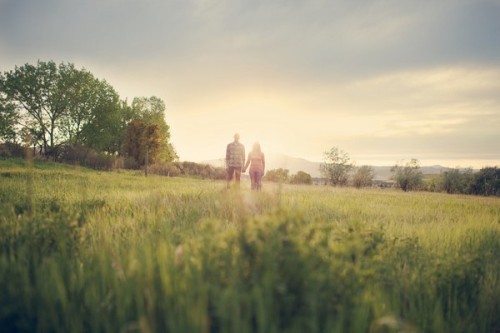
236	137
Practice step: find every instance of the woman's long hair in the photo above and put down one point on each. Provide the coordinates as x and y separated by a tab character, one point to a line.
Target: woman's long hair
256	148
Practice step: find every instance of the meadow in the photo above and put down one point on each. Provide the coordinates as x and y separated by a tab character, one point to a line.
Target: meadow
88	251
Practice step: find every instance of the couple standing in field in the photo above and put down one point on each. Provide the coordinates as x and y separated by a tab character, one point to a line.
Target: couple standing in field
235	163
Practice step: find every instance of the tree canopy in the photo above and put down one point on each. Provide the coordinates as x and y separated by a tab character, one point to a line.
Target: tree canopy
363	176
277	175
58	105
301	177
409	176
152	112
337	166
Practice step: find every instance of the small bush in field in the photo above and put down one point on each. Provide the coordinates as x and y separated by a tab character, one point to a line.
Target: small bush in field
81	155
363	177
166	169
301	177
11	150
408	177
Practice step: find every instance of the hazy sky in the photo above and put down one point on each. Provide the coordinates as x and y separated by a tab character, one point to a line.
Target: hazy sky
382	80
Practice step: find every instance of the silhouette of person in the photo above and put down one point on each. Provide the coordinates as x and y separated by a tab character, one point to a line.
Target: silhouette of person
257	162
235	159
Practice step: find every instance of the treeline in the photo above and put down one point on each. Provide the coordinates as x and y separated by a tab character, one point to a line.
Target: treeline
464	181
339	170
66	114
486	181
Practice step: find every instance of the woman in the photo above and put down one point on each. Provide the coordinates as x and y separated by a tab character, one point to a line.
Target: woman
257	163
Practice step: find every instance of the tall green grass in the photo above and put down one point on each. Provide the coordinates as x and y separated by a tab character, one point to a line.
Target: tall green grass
84	251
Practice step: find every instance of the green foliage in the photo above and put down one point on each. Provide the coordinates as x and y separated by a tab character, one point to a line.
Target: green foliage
336	167
84	156
277	175
59	104
93	112
8	121
91	251
458	181
484	182
189	169
487	182
363	177
51	106
152	112
36	94
301	177
143	140
408	177
12	150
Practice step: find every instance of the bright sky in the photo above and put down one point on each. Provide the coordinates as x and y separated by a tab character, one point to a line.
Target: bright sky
384	80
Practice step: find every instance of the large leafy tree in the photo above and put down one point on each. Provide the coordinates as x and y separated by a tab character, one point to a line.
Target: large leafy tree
458	181
93	117
143	141
337	166
58	104
36	93
103	129
152	112
487	182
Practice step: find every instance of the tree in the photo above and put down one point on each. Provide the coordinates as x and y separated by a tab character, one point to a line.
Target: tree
363	176
487	182
408	177
301	177
8	121
35	91
152	111
93	116
143	140
277	175
58	104
336	167
457	181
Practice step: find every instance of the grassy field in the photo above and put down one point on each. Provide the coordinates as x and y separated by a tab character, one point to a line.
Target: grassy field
87	251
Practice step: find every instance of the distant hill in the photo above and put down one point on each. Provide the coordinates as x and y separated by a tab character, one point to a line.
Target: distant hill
296	164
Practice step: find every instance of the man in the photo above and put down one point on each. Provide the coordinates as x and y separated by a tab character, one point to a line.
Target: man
235	160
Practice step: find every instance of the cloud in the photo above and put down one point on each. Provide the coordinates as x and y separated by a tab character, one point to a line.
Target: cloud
374	77
307	38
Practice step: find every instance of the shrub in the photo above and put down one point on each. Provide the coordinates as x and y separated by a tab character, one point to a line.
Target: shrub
363	177
12	150
190	169
277	175
301	177
337	166
73	154
408	177
81	155
487	182
165	169
457	181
